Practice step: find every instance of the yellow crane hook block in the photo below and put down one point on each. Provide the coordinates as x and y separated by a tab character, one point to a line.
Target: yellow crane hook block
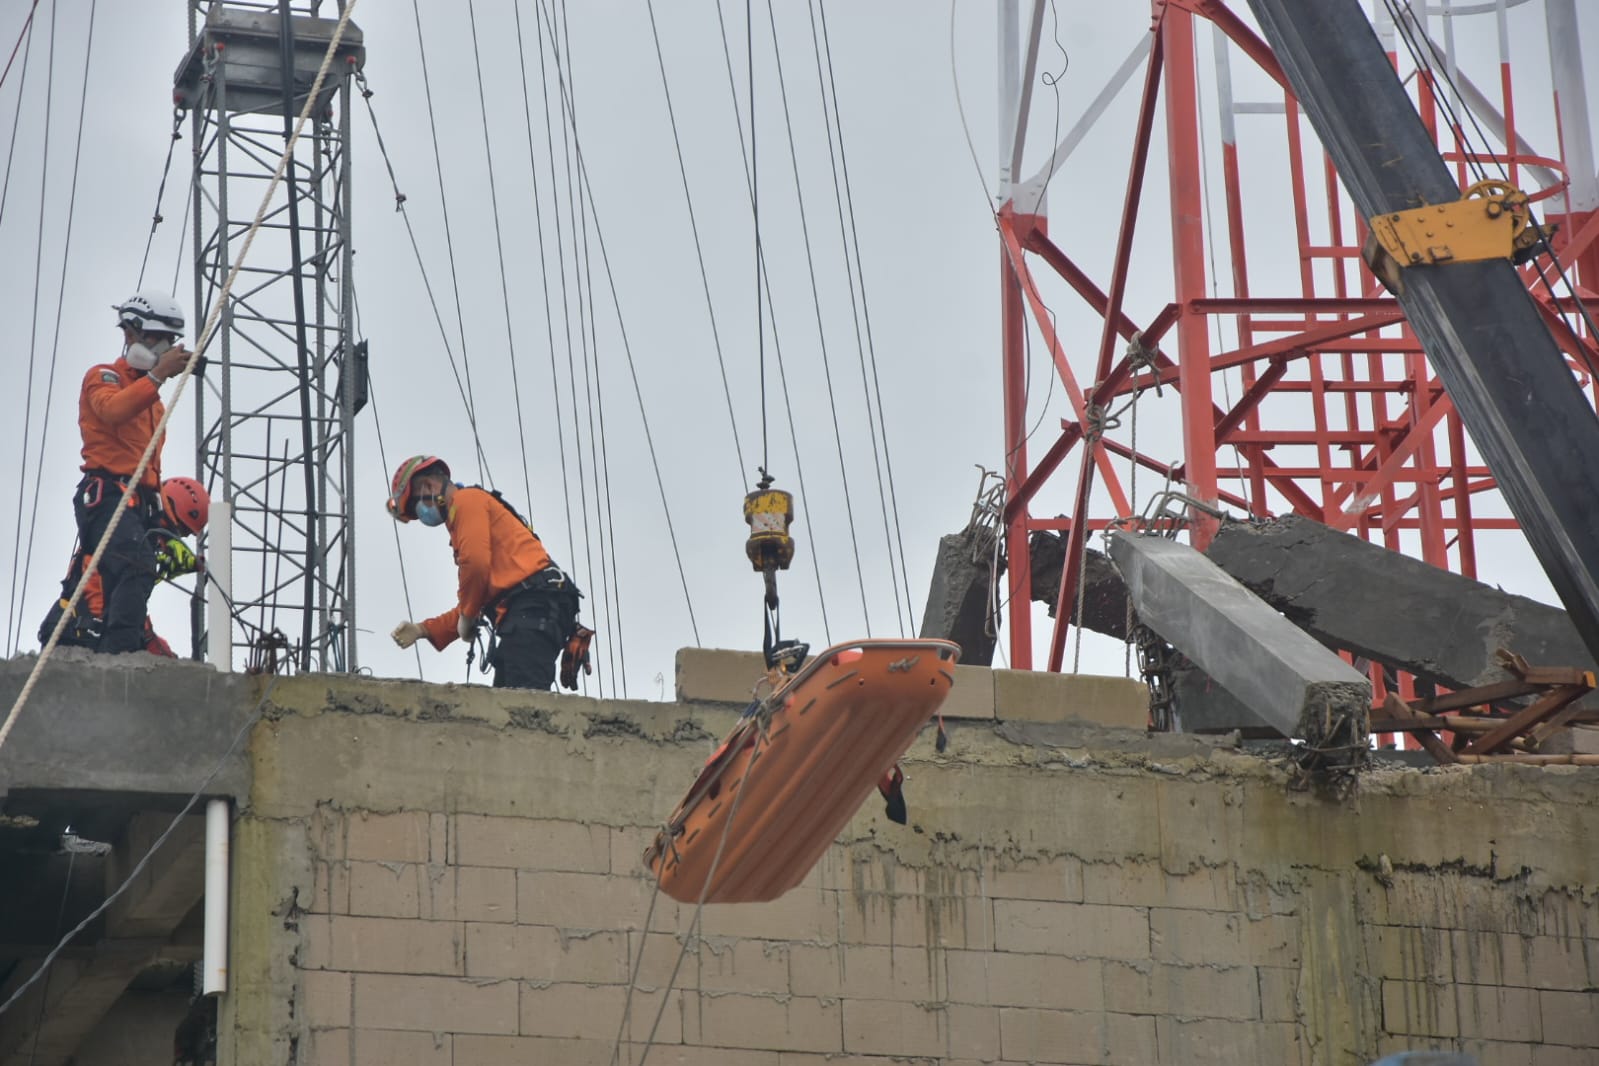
768	512
1491	220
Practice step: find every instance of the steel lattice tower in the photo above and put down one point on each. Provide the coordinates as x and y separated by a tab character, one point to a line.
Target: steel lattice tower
1290	374
276	402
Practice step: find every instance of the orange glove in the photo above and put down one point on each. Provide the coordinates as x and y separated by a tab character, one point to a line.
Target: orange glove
574	655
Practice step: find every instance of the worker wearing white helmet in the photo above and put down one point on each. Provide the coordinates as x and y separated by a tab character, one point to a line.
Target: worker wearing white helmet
118	410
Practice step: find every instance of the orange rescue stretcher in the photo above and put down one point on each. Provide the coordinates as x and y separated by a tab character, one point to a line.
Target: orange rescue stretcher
792	773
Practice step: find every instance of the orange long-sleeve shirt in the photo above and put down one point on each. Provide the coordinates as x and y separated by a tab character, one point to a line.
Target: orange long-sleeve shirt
494	551
118	413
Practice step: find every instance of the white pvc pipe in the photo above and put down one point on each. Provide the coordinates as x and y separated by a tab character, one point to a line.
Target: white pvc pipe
215	964
219	590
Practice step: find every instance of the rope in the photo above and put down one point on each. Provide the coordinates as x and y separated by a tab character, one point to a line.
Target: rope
627	348
449	245
26	32
544	276
33	321
160	192
177	819
755	212
61	290
699	253
183	380
821	332
814	555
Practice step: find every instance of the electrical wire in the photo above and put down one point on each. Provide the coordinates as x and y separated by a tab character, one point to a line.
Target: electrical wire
699	251
27	28
61	291
627	349
33	328
821	330
160	194
16	114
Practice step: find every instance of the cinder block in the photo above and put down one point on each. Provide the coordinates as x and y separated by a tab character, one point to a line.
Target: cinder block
1416	953
330	890
326	1047
1136	883
714	675
972	695
1541	1054
1419	1008
1041	696
940	921
389	945
1279	993
380	1047
400	837
1011	979
1490	1012
589	901
545	953
660	955
468	893
1081	930
1186	991
720	965
1059	878
385	889
1216	1042
1072	1036
435	1004
795	1023
1217	938
531	844
325	999
1569	1018
480	1050
799	915
891	1027
592	1012
860	971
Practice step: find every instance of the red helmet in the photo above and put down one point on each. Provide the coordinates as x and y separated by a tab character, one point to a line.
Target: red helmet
400	507
186	503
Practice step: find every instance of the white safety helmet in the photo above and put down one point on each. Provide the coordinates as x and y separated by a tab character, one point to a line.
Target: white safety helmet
150	312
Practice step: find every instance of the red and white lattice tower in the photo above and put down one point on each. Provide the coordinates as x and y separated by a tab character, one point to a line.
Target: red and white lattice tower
1289	380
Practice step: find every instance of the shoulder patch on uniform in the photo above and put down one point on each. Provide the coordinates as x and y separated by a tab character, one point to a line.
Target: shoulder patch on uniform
109	377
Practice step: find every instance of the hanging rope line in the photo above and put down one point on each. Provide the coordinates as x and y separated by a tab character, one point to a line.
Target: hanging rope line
699	251
499	249
421	263
183	379
160	194
449	246
61	291
16	114
753	162
627	348
814	554
544	276
860	314
821	329
33	324
27	28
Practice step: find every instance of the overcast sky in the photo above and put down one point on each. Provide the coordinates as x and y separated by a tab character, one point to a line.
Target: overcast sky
928	258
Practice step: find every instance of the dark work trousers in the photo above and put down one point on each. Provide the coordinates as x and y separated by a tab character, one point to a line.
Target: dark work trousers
538	620
127	569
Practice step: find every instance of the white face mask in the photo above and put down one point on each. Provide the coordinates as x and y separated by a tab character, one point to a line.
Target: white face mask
143	357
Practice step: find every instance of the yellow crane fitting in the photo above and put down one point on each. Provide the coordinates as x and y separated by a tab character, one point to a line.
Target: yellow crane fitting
769	512
1490	221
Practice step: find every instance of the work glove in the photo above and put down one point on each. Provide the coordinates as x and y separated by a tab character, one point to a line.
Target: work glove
175	559
408	633
574	655
465	628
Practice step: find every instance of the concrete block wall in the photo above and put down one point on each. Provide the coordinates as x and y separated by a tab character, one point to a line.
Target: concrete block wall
447	875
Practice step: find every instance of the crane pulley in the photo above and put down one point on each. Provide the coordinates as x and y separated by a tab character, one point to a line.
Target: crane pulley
770	548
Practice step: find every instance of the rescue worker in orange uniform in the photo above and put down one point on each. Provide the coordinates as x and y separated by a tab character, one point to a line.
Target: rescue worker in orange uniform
506	578
185	506
118	410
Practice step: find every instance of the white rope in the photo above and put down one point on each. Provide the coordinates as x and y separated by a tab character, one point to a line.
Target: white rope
183	380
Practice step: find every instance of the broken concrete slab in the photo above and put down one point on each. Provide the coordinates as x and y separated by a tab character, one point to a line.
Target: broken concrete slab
958	596
1104	594
1278	670
1388	607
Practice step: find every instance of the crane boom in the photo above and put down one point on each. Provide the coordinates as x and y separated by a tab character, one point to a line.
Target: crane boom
1479	325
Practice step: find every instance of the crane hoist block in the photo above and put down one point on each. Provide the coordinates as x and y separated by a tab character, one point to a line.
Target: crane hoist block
769	512
1491	221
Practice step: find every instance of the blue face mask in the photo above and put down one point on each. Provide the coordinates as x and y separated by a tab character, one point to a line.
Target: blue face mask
428	513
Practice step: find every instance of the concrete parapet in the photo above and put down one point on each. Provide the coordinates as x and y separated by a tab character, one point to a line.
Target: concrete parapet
1033	696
